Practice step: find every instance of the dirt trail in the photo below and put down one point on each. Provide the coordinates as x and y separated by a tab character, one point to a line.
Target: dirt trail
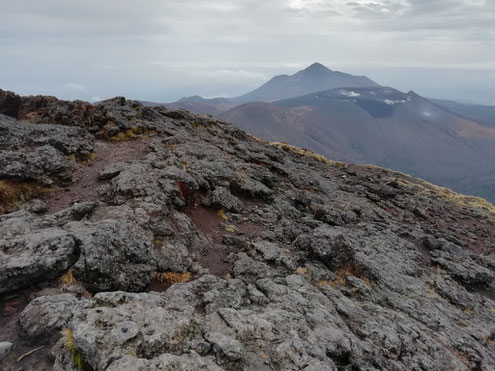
85	187
214	227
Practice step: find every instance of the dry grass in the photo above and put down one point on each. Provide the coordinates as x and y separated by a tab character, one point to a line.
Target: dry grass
307	153
70	346
13	194
68	279
426	188
302	270
130	134
172	277
221	215
186	166
230	230
170	146
342	274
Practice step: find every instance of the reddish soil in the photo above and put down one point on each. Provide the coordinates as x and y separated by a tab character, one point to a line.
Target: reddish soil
210	224
214	256
85	187
11	305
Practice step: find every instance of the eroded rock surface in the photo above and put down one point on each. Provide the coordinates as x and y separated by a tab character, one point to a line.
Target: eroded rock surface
198	246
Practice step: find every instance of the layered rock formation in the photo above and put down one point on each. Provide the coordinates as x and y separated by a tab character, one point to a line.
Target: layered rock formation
138	238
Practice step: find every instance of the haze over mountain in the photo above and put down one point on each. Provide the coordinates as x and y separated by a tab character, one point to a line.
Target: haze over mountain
482	114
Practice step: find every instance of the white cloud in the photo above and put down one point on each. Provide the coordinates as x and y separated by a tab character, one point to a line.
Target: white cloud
157	49
75	87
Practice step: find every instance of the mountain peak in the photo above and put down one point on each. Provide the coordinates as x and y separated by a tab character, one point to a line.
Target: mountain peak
313	78
317	67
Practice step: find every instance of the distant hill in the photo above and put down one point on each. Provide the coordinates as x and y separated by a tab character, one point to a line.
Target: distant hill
314	78
482	114
382	126
197	104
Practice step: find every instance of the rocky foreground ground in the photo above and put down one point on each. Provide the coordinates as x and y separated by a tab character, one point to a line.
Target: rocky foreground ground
138	238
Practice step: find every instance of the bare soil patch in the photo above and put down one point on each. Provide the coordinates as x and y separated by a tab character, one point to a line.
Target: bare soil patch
85	187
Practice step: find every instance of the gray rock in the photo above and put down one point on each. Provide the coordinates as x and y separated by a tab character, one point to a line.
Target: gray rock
68	140
332	246
35	257
112	170
5	347
186	362
115	255
44	161
221	198
229	348
45	316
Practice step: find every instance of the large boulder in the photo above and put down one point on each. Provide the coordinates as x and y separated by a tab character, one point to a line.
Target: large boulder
35	257
45	316
115	255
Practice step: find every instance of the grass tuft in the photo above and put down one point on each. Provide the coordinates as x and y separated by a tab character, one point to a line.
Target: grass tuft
172	277
307	153
77	359
302	270
130	134
442	193
68	279
221	215
13	194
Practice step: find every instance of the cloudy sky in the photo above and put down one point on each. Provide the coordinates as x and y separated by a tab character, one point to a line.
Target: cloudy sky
161	50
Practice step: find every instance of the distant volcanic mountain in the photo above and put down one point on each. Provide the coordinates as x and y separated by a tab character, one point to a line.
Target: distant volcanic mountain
314	78
353	119
382	126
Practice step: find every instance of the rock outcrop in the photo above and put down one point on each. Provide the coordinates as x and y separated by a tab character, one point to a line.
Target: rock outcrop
184	243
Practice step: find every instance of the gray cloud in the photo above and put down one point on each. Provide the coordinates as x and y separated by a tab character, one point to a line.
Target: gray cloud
161	50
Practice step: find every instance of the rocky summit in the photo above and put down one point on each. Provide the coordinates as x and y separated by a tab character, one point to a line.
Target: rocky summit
141	238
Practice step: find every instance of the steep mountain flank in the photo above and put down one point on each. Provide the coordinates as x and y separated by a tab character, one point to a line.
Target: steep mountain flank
200	247
381	126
